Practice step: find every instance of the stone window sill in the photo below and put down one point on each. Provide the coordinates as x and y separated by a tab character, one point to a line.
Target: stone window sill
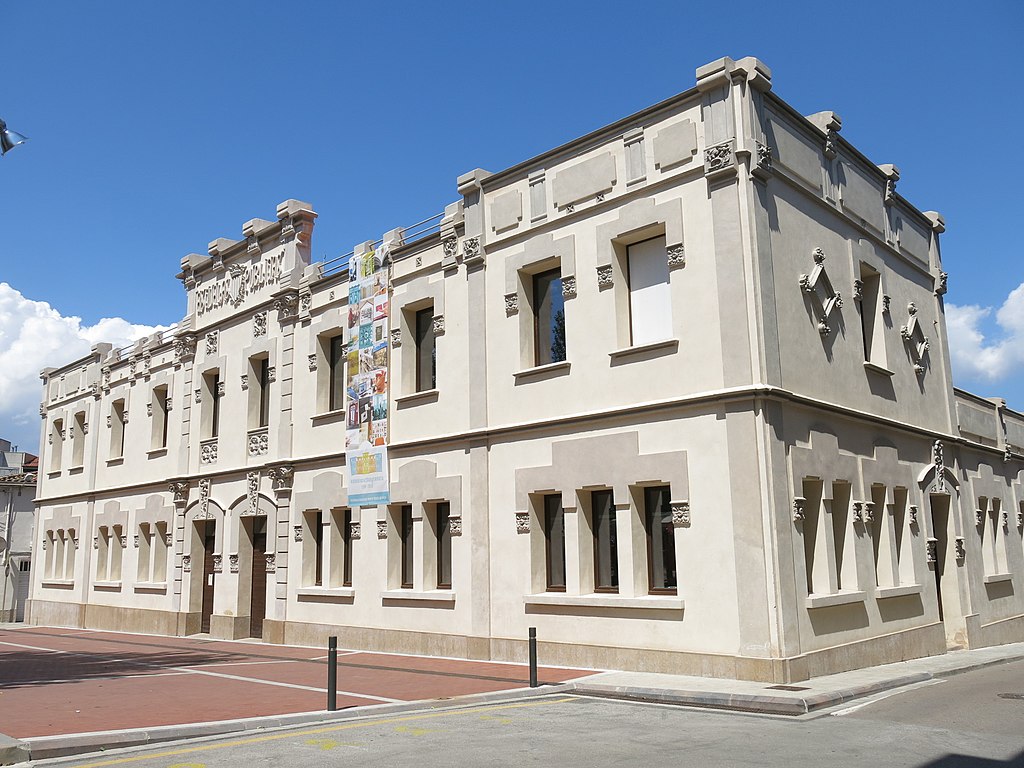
76	470
328	417
550	370
151	586
156	453
417	398
54	474
346	593
901	591
878	369
839	598
431	596
655	603
58	583
112	586
115	462
996	578
665	346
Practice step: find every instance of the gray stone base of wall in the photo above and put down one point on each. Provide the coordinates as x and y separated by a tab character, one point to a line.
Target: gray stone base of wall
900	646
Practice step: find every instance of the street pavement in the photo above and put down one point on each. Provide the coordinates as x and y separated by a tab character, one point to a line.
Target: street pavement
920	726
106	691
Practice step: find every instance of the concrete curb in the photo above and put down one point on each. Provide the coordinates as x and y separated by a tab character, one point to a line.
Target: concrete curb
741	702
12	750
44	747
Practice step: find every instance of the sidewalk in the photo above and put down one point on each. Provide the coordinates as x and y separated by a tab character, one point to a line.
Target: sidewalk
735	695
796	699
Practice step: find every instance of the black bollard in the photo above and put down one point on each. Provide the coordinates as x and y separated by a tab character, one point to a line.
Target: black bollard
533	657
332	674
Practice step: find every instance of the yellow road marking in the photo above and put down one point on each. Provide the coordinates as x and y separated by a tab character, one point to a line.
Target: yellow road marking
315	731
326	744
413	730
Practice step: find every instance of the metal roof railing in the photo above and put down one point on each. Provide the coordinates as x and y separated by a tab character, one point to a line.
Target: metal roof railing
410	234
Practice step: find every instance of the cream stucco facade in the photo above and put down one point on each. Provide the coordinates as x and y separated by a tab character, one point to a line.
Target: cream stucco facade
824	488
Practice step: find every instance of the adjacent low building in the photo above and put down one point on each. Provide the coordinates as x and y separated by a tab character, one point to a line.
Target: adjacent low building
17	516
676	393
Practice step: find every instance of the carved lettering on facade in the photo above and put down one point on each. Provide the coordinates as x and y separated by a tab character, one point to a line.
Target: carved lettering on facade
241	280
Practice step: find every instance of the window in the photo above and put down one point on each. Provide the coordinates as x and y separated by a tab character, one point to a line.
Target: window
444	545
554	543
661	544
318	548
158	435
56	444
406	535
336	367
346	547
211	406
78	440
259	392
548	317
426	352
606	556
117	422
650	311
870	321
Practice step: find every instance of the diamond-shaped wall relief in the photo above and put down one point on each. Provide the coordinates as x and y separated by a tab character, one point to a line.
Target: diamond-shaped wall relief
917	343
819	287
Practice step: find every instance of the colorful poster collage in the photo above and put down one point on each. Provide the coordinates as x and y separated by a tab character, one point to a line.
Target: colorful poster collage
366	379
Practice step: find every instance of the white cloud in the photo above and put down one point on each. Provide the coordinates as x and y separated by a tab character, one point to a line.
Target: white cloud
976	358
33	336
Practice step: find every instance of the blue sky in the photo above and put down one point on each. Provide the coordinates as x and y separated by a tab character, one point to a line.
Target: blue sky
157	127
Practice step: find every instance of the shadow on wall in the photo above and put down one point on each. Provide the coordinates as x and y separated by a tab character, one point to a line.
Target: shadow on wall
970	761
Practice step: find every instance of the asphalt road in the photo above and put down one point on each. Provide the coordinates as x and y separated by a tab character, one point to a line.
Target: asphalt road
958	722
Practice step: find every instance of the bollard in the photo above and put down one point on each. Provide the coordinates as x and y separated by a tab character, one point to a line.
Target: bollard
332	674
533	657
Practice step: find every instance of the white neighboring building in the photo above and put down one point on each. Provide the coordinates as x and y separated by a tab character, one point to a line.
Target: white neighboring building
17	516
676	393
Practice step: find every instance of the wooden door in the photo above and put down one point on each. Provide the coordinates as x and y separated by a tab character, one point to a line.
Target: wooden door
209	543
258	601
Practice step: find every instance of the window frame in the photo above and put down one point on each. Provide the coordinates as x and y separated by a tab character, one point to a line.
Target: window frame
611	544
407	541
442	515
546	297
665	521
426	346
547	510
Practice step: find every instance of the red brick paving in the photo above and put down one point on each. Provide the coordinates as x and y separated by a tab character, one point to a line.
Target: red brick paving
111	681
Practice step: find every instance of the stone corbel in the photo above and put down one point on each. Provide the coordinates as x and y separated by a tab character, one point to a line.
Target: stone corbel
568	287
798	509
522	522
212	342
680	513
912	512
218	563
297	532
472	251
281	477
382	529
720	159
604	277
511	307
233	563
455	526
892	175
941	283
186	563
961	548
676	256
932	550
762	166
287	305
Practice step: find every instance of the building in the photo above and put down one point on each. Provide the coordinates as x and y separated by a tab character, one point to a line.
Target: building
676	393
17	512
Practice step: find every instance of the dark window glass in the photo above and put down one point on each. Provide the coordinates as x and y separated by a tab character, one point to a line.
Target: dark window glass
407	550
264	392
215	398
661	543
549	317
346	540
426	353
444	546
337	366
318	542
162	403
606	555
554	543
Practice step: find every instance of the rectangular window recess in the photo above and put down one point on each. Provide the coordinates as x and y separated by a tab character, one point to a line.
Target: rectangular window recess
59	583
668	346
650	603
901	591
427	395
839	598
995	578
433	595
543	371
328	417
342	593
878	369
151	586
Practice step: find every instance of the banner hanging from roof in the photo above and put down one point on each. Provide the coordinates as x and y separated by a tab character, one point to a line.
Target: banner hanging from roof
366	379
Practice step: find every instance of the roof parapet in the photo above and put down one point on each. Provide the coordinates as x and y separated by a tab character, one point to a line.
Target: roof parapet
722	71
